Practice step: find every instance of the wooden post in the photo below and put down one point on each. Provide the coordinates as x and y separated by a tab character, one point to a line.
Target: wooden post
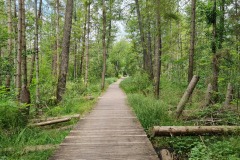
229	95
186	95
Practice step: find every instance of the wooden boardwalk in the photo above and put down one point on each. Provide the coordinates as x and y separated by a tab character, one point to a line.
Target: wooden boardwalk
110	131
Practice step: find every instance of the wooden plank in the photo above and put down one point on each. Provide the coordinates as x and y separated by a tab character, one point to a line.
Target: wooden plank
110	131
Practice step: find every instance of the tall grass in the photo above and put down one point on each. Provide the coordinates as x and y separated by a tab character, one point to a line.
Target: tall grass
17	137
153	112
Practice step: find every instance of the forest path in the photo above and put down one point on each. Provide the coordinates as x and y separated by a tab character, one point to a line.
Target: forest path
110	131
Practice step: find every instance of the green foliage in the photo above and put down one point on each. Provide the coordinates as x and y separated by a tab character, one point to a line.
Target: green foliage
139	83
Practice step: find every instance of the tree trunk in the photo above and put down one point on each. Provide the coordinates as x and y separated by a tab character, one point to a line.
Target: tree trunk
34	55
149	44
229	95
37	94
19	54
158	51
192	42
75	71
141	35
25	94
0	66
208	96
186	95
61	86
87	45
84	39
215	65
104	44
194	130
10	56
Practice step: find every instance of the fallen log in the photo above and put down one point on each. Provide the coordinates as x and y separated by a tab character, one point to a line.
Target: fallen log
186	96
51	122
54	118
194	130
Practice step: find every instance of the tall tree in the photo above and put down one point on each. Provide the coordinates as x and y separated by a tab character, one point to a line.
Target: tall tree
24	94
61	85
39	13
36	53
158	50
192	41
104	24
140	25
215	65
20	48
84	38
87	45
10	56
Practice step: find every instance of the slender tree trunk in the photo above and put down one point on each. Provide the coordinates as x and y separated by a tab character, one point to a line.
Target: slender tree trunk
109	37
215	66
75	72
10	56
0	66
149	44
140	25
34	55
84	39
25	94
192	42
19	54
87	45
221	24
37	94
15	25
61	86
104	43
55	57
158	51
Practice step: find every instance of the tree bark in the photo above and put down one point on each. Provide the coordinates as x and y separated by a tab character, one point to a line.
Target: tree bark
61	86
208	96
229	95
215	65
104	44
186	96
140	25
34	54
19	54
158	51
10	56
192	42
84	40
25	94
52	122
87	45
194	130
0	66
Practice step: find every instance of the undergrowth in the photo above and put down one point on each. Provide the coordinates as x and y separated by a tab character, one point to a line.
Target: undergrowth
15	136
152	112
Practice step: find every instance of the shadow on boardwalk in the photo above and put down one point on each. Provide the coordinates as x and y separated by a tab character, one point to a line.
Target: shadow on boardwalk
110	131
